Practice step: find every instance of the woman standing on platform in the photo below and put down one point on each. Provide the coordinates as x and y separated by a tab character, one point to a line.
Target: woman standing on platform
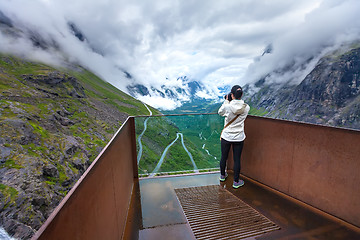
235	112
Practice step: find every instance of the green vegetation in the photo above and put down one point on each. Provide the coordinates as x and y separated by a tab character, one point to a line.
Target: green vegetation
201	138
258	112
19	67
39	130
196	106
54	123
159	134
10	163
9	194
201	133
50	182
176	159
62	174
35	151
99	89
4	86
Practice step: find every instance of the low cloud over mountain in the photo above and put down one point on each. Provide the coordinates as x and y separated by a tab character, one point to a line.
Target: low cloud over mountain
156	43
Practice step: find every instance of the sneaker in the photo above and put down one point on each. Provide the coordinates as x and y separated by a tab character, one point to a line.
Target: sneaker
223	177
238	184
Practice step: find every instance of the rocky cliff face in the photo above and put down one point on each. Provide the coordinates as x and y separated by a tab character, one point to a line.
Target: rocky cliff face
329	95
53	123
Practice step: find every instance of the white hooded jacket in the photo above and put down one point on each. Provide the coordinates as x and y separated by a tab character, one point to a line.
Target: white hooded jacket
235	131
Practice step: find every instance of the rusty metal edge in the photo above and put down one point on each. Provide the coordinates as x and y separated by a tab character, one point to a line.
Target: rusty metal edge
260	117
133	149
304	204
127	212
308	124
131	121
180	175
73	189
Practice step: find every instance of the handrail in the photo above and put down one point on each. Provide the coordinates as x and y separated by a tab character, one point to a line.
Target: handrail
264	117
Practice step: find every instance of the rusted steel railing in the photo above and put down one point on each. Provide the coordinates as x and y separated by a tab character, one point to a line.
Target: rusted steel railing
97	206
317	165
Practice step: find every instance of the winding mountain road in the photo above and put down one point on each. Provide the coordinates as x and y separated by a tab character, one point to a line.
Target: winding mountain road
156	169
190	156
139	155
141	135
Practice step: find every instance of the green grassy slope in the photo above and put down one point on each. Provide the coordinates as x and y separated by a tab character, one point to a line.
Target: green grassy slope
53	124
201	133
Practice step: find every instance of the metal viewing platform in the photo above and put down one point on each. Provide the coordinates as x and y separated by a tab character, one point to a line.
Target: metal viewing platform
301	182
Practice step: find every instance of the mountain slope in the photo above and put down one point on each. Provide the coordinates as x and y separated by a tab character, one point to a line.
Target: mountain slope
329	95
54	122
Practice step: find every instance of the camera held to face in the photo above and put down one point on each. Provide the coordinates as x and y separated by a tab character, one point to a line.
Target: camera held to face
228	97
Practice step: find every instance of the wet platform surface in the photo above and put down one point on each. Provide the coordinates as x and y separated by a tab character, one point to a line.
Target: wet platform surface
157	214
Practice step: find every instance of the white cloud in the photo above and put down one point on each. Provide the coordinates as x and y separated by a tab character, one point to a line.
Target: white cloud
24	47
160	102
204	94
210	41
299	49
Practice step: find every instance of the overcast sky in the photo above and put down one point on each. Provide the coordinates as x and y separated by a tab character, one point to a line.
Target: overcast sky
212	41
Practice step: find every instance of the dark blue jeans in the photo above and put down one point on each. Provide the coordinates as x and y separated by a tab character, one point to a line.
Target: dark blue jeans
237	149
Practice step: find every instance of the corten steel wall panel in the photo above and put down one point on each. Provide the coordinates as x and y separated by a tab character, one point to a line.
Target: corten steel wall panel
97	206
315	164
272	149
121	158
330	159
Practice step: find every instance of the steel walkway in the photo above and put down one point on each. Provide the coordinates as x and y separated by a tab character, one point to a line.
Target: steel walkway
157	213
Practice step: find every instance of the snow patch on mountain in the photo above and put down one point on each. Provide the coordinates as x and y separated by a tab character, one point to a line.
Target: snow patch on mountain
170	97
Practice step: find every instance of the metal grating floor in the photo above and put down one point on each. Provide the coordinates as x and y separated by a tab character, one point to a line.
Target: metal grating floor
214	213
